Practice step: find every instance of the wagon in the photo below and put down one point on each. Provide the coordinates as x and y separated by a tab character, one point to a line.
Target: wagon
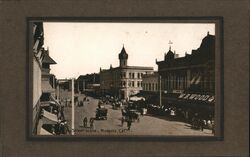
101	113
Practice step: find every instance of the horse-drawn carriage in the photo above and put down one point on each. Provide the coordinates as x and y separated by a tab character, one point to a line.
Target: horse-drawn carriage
130	115
101	113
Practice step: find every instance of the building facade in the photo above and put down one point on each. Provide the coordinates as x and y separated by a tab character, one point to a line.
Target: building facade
188	83
87	81
44	83
48	79
37	70
123	81
150	82
192	73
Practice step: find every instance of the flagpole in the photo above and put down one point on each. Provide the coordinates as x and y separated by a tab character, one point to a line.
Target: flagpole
73	109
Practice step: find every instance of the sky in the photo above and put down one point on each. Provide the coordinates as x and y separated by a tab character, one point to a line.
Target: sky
82	47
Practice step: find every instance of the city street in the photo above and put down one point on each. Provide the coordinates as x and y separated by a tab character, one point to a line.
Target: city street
147	125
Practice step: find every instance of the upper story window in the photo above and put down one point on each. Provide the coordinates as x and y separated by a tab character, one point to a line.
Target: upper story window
133	75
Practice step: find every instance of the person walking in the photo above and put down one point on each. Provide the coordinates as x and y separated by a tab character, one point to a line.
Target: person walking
201	124
85	122
129	123
122	120
91	121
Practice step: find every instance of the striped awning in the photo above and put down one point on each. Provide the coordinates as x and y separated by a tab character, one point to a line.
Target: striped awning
49	118
44	132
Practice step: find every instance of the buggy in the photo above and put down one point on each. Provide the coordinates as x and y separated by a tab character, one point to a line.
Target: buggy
101	113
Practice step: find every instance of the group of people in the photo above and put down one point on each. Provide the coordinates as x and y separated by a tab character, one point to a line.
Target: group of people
199	123
91	122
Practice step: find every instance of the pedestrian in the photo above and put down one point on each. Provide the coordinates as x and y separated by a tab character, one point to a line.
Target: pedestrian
66	128
201	124
91	121
85	122
129	123
141	111
122	120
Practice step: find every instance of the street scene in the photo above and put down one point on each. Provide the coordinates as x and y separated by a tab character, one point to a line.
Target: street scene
79	89
145	125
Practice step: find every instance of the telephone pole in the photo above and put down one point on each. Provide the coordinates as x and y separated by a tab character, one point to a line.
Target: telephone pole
160	89
73	109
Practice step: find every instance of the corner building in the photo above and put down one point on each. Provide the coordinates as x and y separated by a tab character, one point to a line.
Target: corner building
189	82
193	73
123	81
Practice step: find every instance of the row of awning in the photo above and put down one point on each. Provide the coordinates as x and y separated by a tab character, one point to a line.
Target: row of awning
49	118
44	132
198	97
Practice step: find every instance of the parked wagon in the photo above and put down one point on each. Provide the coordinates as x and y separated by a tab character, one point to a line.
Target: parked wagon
101	113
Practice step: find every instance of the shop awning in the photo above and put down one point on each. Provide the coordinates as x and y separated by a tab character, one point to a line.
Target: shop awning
54	101
45	103
49	118
135	98
44	132
46	87
197	97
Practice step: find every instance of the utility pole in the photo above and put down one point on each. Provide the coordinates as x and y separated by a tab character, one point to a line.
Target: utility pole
160	89
73	109
58	91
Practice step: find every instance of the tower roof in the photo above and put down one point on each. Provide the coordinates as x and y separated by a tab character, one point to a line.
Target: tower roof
123	54
169	55
47	59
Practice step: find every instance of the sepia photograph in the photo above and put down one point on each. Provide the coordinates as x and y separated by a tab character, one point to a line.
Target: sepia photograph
123	78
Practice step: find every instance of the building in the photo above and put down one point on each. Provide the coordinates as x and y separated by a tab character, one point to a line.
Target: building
48	80
37	70
45	105
150	83
189	82
194	72
87	81
123	81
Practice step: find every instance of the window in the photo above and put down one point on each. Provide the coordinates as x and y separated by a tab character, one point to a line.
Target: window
138	75
138	84
133	83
